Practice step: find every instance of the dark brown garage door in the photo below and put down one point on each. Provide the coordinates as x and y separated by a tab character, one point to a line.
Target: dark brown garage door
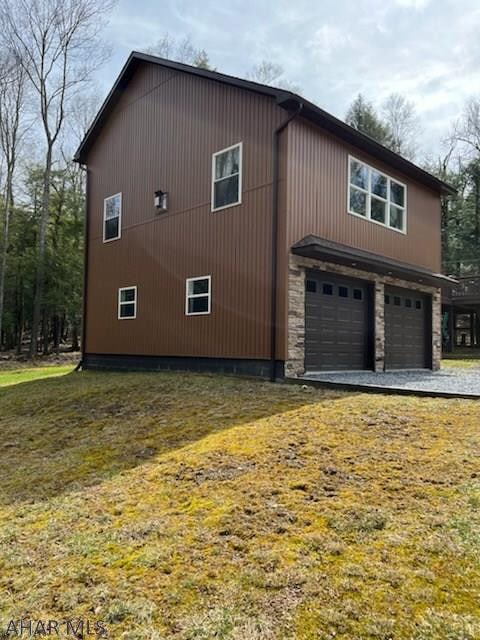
337	334
407	329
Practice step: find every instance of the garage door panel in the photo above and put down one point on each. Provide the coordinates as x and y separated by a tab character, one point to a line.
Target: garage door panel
407	329
337	323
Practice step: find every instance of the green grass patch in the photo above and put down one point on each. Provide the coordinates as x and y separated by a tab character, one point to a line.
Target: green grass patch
16	376
184	507
461	363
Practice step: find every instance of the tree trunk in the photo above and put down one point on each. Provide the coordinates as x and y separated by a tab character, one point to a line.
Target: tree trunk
4	250
75	341
42	240
45	332
56	332
20	319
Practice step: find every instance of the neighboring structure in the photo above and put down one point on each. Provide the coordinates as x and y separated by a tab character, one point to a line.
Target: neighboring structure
236	227
461	314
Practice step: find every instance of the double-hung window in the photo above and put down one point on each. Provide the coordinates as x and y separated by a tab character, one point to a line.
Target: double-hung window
127	303
376	197
227	177
198	296
112	217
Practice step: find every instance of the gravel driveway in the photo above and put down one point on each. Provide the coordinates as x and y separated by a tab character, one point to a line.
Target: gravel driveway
449	381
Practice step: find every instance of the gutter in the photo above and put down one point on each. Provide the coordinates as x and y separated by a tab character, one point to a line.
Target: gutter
85	271
274	268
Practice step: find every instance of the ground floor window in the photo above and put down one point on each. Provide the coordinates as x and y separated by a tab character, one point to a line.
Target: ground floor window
198	296
127	303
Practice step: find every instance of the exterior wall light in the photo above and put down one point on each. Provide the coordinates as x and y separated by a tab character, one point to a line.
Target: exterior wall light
161	200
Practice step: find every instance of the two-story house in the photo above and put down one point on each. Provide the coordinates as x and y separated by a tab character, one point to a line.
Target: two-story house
232	226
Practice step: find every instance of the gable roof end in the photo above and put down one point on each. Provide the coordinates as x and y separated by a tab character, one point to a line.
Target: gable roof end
285	99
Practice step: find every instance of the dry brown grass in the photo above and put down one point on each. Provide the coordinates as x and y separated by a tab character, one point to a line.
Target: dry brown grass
194	507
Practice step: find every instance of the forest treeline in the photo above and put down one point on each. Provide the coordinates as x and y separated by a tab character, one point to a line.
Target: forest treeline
49	52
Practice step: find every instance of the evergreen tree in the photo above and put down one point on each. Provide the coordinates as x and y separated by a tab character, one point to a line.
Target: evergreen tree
362	116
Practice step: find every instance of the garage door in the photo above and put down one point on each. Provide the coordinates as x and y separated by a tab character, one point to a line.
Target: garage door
337	335
407	329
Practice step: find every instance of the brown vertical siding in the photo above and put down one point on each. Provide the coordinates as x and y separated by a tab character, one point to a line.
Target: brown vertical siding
161	136
317	202
315	191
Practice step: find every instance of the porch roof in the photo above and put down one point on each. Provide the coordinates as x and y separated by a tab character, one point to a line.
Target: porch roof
312	246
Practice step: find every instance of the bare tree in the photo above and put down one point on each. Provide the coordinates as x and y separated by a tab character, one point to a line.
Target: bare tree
12	131
467	133
467	130
58	44
270	73
181	50
401	120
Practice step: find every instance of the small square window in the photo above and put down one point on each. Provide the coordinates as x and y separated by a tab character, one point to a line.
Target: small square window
397	301
343	292
198	296
387	299
311	286
357	294
418	304
127	303
408	302
327	289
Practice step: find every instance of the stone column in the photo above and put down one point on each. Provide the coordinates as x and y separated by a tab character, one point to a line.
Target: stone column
379	303
436	329
295	364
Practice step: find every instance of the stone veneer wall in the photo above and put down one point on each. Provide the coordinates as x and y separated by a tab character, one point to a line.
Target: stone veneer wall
295	363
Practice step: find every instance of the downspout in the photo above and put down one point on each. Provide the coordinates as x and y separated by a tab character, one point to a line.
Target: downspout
85	271
273	303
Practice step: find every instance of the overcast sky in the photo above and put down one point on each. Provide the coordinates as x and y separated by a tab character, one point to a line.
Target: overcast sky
428	50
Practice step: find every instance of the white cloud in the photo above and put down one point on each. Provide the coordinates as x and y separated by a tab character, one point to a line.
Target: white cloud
429	51
418	5
327	40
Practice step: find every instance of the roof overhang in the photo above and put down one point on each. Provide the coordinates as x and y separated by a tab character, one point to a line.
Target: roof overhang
285	99
326	250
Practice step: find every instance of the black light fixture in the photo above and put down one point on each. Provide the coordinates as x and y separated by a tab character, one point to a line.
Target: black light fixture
161	200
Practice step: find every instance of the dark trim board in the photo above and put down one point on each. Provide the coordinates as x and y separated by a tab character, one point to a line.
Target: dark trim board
236	366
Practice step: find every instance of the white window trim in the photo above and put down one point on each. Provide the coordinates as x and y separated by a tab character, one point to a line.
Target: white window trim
198	295
368	192
134	302
115	195
240	171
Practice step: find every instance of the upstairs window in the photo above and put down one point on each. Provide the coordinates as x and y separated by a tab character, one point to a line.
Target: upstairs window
227	177
112	216
127	303
376	197
198	296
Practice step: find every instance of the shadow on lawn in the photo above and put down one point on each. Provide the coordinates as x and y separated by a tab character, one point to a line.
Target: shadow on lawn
62	434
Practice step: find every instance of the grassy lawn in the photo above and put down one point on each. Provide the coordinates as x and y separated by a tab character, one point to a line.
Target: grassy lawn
26	374
461	363
175	506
